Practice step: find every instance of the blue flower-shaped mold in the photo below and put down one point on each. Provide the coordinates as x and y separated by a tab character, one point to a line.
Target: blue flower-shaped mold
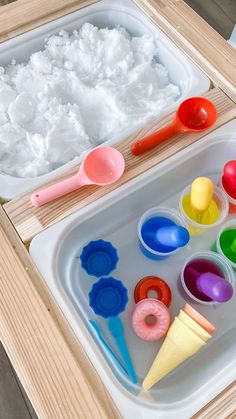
108	297
99	258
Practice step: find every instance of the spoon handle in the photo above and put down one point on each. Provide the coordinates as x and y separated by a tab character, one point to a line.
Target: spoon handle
107	347
115	326
56	191
154	139
121	343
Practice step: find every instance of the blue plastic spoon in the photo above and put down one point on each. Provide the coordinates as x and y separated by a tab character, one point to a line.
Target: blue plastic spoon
107	347
108	298
116	328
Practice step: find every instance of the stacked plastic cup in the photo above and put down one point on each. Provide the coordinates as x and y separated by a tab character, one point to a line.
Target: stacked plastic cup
207	278
198	222
228	184
162	232
226	242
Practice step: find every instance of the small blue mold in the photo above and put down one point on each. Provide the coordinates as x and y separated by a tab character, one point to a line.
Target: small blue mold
99	258
108	297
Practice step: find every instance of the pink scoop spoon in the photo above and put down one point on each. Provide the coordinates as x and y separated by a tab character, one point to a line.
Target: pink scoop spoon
102	166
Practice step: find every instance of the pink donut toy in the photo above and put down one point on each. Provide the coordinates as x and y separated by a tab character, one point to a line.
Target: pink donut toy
150	319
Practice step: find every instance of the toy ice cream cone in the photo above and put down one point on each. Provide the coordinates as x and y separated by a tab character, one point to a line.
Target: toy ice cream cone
180	344
194	326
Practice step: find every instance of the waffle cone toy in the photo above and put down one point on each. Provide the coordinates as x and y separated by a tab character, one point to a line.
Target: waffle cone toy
181	343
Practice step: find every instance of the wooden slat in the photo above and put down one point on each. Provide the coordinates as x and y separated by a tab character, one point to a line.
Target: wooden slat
221	407
29	220
217	13
208	50
196	38
23	15
51	364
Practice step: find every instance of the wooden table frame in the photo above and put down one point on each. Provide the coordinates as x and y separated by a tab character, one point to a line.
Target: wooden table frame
50	362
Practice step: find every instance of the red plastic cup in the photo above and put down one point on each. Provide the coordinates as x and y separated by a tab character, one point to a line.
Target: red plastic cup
228	184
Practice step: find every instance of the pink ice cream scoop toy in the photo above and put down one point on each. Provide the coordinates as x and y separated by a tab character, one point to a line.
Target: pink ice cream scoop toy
102	166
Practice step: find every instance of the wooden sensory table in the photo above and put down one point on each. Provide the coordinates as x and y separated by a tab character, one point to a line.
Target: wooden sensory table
55	371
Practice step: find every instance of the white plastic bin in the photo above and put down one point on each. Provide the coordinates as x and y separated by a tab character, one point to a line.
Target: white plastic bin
115	218
106	13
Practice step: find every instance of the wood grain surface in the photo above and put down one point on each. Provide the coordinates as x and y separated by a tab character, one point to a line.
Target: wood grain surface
51	364
221	407
23	15
196	38
221	15
29	220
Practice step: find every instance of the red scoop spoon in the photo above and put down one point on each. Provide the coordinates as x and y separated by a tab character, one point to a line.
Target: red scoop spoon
194	114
